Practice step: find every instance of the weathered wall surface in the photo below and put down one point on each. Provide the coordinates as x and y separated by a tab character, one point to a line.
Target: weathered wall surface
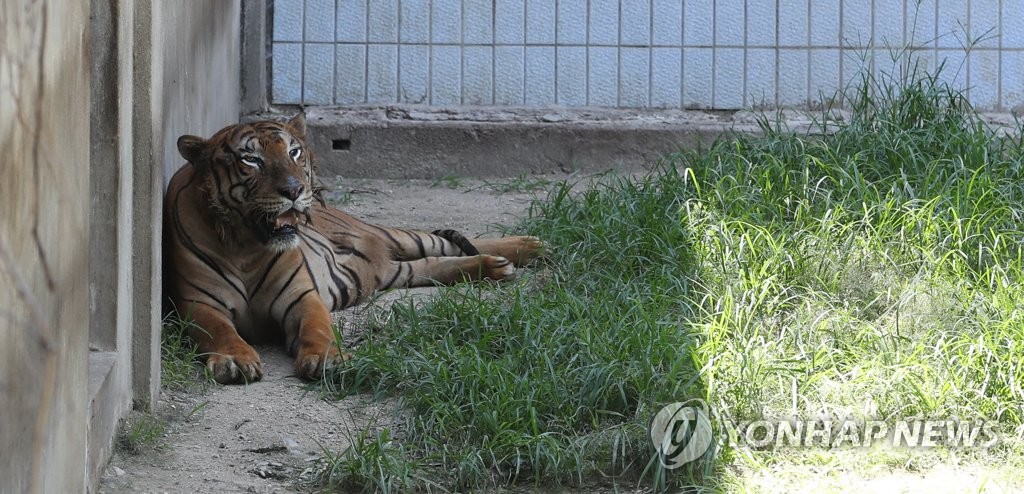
92	98
422	142
111	241
186	82
44	205
197	74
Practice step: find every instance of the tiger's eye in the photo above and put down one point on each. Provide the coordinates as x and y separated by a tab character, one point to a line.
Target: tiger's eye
253	161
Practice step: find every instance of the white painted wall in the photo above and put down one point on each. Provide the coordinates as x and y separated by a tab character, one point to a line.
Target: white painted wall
721	54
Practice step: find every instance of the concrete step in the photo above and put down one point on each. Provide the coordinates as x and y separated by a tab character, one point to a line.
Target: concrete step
413	141
430	142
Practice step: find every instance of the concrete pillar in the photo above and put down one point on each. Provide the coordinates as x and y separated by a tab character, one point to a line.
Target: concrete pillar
255	42
147	196
111	287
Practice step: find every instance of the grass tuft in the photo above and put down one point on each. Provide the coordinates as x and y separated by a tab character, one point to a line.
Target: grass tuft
522	183
373	462
871	269
180	357
449	181
140	432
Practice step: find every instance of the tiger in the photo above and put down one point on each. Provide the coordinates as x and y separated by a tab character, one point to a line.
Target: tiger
254	255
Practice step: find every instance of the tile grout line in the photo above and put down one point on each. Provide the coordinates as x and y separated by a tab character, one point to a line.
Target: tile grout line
334	76
935	34
714	47
586	54
618	60
778	53
903	32
682	53
999	63
462	52
842	55
494	53
746	56
556	50
398	59
430	52
810	68
872	48
598	45
269	51
302	58
907	40
807	91
523	95
365	47
967	56
650	53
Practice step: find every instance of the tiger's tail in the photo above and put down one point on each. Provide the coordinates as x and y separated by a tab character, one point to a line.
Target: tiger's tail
459	240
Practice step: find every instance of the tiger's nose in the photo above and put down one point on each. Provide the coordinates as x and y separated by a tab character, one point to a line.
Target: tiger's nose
292	191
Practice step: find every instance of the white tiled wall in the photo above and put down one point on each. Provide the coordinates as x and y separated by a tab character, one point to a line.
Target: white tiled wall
721	54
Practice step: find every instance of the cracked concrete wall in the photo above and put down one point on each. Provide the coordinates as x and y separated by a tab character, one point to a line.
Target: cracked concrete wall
44	206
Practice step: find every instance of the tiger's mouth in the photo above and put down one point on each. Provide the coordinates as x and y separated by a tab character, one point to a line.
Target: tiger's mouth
283	228
285	224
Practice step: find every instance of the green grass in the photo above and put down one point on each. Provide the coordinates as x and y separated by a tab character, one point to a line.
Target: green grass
373	462
522	183
531	381
449	181
874	270
143	431
179	357
140	432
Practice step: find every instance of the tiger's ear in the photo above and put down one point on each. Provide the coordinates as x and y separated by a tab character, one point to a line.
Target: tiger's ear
192	148
298	125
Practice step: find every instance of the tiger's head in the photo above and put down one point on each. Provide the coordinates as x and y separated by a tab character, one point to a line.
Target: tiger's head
259	180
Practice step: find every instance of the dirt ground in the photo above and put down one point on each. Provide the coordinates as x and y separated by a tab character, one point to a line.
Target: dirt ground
264	436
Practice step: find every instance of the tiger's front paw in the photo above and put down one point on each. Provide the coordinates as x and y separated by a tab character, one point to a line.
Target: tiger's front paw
526	249
521	250
240	365
497	268
312	364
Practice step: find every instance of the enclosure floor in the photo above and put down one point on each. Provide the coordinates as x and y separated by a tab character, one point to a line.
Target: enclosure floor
262	437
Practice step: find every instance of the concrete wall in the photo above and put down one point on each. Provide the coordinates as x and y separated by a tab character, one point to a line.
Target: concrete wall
44	207
196	75
93	96
112	246
722	54
186	78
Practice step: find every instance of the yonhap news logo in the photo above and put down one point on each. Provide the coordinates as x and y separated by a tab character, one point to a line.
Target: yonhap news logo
838	433
682	432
